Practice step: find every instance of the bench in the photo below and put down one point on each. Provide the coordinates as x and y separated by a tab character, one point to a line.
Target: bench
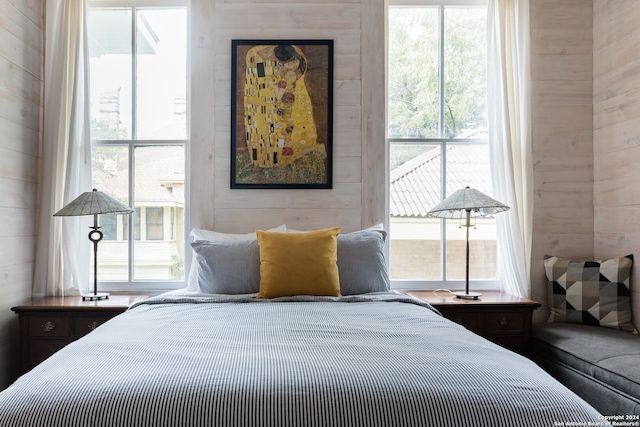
601	365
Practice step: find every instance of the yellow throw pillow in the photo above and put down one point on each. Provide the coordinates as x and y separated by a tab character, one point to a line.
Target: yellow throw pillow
299	263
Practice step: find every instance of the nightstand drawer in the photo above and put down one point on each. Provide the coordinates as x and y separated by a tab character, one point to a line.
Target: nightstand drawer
49	326
503	322
85	324
470	321
42	349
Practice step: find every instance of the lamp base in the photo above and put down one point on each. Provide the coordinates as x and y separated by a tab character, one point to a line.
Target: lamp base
467	295
95	296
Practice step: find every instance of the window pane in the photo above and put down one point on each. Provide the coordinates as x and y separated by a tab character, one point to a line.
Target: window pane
155	223
482	249
109	32
158	184
415	188
413	72
110	170
161	68
110	174
465	71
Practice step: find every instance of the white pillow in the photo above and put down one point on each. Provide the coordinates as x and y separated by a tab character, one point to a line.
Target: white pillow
379	227
202	234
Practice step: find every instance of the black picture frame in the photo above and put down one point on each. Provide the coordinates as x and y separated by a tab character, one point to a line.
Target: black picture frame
282	114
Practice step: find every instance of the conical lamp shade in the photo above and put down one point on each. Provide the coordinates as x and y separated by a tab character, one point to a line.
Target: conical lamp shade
93	202
468	199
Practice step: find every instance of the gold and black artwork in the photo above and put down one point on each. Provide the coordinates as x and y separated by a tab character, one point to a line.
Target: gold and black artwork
281	113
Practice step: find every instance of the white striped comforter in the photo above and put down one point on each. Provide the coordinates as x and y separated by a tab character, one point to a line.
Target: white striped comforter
376	360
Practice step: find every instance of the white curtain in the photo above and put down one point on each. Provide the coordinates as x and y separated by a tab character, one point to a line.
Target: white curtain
63	247
508	89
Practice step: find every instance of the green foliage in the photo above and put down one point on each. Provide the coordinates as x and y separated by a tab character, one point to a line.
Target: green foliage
414	71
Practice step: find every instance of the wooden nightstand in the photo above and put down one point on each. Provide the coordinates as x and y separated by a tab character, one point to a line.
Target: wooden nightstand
502	318
48	324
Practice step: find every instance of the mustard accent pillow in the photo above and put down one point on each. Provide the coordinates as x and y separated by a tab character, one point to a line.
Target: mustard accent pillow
299	263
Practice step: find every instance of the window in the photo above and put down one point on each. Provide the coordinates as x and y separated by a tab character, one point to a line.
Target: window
438	141
138	68
155	223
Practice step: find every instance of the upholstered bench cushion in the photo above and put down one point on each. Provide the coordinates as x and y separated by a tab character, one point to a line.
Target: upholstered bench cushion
608	355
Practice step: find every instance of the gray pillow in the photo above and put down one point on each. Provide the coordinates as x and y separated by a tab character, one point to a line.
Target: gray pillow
225	267
361	263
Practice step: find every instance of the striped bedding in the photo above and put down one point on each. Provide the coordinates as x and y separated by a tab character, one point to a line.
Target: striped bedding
205	360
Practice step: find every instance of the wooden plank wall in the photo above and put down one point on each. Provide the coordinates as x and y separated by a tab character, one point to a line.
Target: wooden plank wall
561	69
214	25
21	55
616	133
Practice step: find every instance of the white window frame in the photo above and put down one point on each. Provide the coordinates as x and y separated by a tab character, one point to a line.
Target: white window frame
133	285
444	283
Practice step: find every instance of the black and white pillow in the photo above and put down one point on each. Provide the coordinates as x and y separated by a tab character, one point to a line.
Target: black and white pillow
590	292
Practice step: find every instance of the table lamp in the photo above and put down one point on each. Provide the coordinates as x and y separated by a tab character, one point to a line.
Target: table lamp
94	203
464	204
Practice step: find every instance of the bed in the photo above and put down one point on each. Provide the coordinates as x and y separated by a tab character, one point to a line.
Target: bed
379	358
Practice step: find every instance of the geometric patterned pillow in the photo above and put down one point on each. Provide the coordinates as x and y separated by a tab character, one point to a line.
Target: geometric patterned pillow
590	292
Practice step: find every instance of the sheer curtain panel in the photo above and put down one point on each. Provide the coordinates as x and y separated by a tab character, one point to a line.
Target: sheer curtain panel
508	88
63	249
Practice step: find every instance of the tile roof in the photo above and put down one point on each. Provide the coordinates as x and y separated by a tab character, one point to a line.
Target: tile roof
159	177
415	185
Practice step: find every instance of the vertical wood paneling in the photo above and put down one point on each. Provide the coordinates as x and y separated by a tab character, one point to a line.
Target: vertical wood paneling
202	128
213	25
616	47
562	134
21	56
374	164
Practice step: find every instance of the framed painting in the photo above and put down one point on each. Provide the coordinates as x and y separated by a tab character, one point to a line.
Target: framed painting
281	113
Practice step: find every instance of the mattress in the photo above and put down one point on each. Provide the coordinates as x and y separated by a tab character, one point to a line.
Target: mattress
380	359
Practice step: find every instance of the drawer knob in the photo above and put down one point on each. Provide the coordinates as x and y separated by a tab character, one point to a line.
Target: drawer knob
503	321
93	325
48	327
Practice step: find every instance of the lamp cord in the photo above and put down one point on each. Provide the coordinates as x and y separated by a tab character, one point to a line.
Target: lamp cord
442	290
